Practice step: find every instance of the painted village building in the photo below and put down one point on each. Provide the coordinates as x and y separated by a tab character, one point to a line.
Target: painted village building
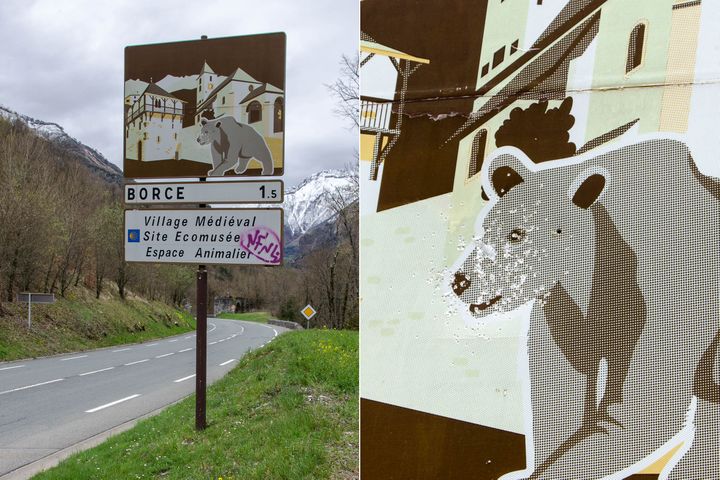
153	125
616	60
241	96
155	117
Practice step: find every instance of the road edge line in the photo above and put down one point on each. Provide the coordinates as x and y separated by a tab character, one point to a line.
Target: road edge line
52	460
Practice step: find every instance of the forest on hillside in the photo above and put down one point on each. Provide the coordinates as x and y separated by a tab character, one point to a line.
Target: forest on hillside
62	227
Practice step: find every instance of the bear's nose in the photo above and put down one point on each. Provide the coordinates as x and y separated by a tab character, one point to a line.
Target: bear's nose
460	283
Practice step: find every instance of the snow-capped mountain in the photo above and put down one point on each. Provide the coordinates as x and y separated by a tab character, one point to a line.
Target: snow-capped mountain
54	133
311	203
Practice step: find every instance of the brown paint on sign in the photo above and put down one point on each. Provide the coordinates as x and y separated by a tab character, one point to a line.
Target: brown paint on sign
439	95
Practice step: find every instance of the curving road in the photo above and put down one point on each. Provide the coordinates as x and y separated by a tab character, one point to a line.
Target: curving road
50	404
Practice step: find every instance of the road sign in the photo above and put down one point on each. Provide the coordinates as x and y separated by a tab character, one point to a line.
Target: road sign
249	191
205	108
36	297
208	236
308	312
30	298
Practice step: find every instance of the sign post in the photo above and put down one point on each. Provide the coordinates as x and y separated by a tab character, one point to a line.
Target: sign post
31	298
199	109
201	349
308	312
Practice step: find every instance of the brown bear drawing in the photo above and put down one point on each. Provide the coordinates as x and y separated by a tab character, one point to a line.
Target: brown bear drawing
620	254
234	144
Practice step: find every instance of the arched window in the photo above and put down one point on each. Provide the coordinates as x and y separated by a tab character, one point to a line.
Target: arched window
478	153
635	47
279	115
254	111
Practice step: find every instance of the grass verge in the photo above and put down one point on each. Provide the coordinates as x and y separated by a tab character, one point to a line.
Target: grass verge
260	317
80	322
287	411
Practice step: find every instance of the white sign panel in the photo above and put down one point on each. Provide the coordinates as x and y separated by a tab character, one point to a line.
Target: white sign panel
209	236
254	191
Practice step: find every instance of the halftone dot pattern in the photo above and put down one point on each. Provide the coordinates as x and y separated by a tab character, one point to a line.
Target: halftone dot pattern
477	154
633	280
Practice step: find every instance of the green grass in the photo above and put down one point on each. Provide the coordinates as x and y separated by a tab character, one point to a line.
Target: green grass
260	317
287	411
80	322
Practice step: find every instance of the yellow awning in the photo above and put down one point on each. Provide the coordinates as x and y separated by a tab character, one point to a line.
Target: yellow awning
379	49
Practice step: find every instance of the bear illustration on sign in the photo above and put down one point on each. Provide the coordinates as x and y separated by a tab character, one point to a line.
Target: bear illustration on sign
619	252
234	144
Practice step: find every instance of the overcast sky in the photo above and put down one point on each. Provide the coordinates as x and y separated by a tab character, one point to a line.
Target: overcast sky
62	62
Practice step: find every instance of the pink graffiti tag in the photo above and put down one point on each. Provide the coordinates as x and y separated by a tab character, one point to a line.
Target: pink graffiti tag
262	243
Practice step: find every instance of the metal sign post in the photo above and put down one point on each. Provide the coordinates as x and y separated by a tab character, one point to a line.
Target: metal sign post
201	293
201	349
308	312
176	117
31	298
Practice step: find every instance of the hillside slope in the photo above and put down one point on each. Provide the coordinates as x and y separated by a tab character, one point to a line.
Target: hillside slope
81	322
77	151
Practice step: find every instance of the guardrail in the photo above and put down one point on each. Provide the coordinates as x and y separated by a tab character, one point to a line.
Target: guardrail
286	324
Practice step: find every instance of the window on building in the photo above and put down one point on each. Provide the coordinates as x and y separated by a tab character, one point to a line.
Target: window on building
485	69
223	100
145	136
514	47
498	57
254	111
278	115
158	139
211	78
175	135
539	2
477	154
635	48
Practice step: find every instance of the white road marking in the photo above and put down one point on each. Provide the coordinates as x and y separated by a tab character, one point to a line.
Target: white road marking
93	410
213	327
10	368
189	337
31	386
122	350
151	344
72	358
175	340
166	355
135	363
184	378
185	350
229	361
276	334
96	371
212	343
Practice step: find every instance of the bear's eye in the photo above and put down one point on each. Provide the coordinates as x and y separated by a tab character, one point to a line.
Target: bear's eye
517	235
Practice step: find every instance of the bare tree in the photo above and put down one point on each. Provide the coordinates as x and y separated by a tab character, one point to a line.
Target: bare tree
346	90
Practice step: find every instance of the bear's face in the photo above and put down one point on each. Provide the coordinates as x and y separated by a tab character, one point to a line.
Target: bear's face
209	131
535	231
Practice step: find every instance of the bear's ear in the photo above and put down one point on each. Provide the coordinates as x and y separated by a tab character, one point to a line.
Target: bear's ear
588	187
505	173
203	121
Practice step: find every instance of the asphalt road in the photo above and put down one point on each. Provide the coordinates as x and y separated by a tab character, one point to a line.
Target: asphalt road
49	404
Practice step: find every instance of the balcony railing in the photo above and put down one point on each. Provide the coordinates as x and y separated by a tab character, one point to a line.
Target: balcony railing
150	108
375	116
